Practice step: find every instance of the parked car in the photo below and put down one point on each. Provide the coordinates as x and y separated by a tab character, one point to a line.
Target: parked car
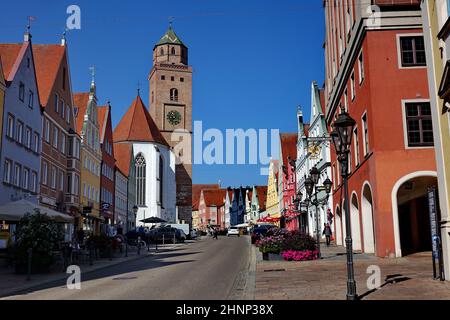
133	235
233	231
167	234
261	230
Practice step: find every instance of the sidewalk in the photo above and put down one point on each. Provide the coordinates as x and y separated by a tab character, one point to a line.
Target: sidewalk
12	283
325	279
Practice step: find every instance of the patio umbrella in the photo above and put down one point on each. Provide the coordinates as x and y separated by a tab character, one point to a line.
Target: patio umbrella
153	220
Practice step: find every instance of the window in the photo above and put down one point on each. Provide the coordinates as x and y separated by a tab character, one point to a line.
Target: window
412	51
181	79
163	77
352	86
140	180
361	68
10	127
21	92
17	172
36	142
67	114
7	171
84	190
30	99
28	137
44	173
53	177
19	132
61	180
346	100
69	184
76	185
63	110
63	143
161	51
159	180
172	78
419	125
173	51
55	137
356	144
173	94
365	134
47	130
56	103
26	179
33	181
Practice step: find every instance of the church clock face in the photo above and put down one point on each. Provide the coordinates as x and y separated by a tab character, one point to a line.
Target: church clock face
174	117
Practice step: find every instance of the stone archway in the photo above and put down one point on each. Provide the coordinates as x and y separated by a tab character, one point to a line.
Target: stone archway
355	223
410	212
367	219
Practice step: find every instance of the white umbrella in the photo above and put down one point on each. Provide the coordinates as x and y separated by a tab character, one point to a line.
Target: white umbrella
16	210
242	225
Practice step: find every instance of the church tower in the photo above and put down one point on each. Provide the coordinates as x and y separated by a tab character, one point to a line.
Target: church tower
171	108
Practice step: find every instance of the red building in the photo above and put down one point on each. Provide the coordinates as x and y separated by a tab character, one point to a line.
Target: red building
288	156
376	70
107	180
212	208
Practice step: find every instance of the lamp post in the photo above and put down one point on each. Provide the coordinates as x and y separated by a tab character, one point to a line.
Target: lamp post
342	140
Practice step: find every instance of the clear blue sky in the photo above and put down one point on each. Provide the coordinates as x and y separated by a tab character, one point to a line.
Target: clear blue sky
253	60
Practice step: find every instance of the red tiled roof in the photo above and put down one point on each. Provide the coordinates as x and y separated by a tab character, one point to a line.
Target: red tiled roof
122	153
138	125
261	192
80	101
47	59
11	55
288	143
102	119
196	192
214	197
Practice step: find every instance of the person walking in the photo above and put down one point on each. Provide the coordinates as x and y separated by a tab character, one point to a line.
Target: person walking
327	232
215	233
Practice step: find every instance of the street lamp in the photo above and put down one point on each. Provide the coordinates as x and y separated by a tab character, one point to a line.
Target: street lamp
315	175
342	140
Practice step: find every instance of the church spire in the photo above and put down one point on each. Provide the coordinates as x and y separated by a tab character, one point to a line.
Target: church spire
93	87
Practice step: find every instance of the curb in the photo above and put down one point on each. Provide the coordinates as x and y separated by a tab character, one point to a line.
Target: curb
250	285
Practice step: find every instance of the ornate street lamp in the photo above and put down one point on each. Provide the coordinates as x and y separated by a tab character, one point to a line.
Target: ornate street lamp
309	186
315	175
328	184
342	140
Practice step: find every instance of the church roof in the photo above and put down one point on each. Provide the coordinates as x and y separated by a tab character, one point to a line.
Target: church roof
122	153
170	37
47	59
137	125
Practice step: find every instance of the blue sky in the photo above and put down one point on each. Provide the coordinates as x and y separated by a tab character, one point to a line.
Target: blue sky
253	60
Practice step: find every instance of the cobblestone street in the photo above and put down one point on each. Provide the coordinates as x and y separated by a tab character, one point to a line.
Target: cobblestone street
326	279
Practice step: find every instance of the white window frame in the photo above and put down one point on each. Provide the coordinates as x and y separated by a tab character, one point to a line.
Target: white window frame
47	130
365	127
356	146
19	131
399	50
63	143
55	137
361	70
44	173
33	182
17	174
352	85
10	126
53	177
7	171
26	179
405	129
36	139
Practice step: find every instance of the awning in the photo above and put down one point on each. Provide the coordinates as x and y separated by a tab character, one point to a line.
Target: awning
242	225
16	210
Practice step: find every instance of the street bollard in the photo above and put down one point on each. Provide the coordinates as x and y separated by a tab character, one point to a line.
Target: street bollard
163	240
156	245
174	239
139	246
30	257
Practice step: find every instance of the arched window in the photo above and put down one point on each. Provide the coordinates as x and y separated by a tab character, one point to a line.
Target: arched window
140	180
173	51
173	94
160	179
161	51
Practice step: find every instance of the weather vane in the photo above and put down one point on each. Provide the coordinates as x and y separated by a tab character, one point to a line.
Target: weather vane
92	69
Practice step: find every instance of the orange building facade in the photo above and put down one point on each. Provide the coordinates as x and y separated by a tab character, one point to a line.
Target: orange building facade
376	70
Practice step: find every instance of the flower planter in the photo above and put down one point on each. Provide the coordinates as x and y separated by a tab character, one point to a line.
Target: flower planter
275	257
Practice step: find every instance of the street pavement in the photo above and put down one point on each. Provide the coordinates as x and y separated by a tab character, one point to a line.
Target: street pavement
206	269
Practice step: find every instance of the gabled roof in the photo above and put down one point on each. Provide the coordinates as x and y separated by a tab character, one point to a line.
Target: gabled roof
138	125
261	193
80	101
170	37
214	197
103	114
2	78
47	59
11	55
196	192
288	143
122	153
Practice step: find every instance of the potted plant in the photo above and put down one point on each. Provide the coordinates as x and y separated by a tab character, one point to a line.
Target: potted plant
270	244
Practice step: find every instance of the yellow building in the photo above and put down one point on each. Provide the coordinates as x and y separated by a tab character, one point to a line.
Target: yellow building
272	202
436	26
91	159
2	98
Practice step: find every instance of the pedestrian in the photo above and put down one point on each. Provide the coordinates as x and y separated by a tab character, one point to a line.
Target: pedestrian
215	233
327	232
